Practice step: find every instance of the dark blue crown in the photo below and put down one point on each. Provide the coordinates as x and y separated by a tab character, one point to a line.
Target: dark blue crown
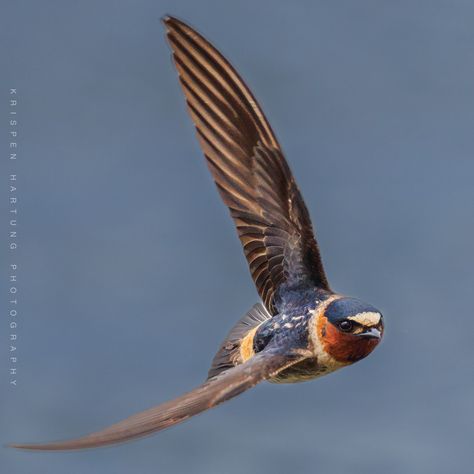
345	307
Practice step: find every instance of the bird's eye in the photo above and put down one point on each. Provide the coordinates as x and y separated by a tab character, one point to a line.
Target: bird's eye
346	325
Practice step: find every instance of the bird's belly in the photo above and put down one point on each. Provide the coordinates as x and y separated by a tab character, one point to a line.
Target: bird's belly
305	370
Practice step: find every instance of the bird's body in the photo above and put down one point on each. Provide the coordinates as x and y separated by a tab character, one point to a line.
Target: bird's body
303	329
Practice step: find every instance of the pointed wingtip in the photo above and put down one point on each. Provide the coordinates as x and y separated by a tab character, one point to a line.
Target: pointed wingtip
23	446
59	446
165	19
169	20
86	442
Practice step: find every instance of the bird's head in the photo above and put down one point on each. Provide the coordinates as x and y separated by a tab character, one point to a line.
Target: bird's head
350	329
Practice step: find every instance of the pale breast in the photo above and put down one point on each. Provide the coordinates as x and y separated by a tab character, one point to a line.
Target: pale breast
305	370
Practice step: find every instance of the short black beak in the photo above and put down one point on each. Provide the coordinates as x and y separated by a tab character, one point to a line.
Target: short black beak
371	333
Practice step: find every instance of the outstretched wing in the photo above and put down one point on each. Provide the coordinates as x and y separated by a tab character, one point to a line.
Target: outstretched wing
248	167
214	391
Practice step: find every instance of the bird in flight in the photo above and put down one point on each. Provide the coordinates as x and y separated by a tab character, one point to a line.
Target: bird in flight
302	329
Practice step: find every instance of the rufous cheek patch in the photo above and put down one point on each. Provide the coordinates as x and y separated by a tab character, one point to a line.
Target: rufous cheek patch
347	348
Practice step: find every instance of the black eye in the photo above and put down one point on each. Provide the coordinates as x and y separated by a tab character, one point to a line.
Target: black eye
346	325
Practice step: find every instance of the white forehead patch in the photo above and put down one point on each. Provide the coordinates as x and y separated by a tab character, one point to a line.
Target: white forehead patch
367	318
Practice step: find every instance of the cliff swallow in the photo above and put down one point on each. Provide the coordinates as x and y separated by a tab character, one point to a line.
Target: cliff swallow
303	329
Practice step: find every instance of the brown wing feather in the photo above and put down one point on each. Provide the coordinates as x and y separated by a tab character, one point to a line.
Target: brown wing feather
248	167
208	395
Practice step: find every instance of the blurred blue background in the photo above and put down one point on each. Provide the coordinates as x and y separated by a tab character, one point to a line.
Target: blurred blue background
130	269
